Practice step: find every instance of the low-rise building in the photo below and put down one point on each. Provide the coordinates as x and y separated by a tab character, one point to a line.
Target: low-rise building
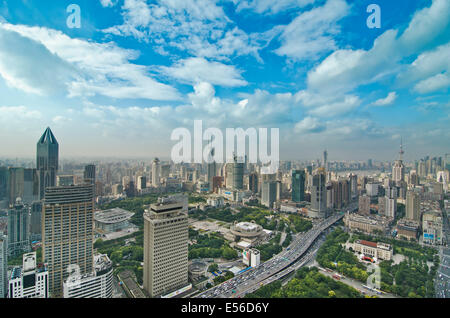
97	284
112	220
375	250
407	229
30	280
432	227
251	257
366	224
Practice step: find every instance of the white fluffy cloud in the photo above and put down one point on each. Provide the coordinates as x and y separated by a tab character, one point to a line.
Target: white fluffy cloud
84	68
322	105
347	69
108	3
311	33
18	113
195	70
271	6
200	28
392	96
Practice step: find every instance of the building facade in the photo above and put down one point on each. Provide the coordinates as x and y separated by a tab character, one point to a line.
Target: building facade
166	246
18	229
298	185
3	265
98	284
30	280
67	232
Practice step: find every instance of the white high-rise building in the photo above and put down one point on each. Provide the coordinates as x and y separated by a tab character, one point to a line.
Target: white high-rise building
391	207
166	246
30	280
3	265
398	171
97	284
156	173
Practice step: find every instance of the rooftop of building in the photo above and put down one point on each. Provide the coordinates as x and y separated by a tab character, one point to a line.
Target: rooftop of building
113	216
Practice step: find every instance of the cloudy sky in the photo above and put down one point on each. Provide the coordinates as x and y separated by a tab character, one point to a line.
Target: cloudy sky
137	69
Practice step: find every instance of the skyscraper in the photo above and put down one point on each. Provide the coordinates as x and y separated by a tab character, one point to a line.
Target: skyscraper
156	173
412	206
353	185
253	182
398	171
4	187
325	160
364	205
211	169
67	235
23	184
298	185
268	193
18	229
89	174
47	157
3	265
238	174
318	194
166	246
235	174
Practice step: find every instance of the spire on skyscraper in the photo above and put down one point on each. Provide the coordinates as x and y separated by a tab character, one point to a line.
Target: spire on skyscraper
48	137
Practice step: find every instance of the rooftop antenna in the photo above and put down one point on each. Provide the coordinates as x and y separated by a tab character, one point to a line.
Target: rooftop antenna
401	148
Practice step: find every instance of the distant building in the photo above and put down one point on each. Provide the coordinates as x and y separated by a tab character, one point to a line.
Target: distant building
298	185
18	229
156	173
217	183
372	189
166	246
249	231
98	284
30	280
366	224
89	174
141	183
215	201
268	193
36	221
412	206
112	220
253	182
407	229
432	227
391	208
23	183
251	257
378	250
64	181
364	205
318	195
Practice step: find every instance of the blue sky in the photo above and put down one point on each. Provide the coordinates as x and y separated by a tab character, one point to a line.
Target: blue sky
137	69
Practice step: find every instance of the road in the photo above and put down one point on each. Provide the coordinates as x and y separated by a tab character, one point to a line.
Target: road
442	281
275	268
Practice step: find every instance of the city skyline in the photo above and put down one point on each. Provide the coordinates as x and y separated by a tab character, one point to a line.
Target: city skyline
119	85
